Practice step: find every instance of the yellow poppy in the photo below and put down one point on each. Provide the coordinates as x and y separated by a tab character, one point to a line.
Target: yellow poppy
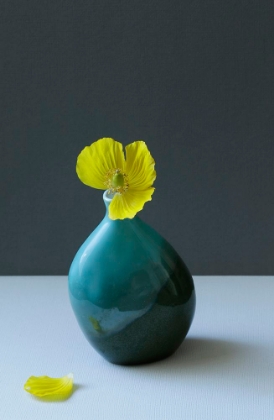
102	165
42	386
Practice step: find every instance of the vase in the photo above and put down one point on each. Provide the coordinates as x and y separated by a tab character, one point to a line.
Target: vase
131	293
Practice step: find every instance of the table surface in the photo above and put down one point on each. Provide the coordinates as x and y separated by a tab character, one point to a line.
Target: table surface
223	370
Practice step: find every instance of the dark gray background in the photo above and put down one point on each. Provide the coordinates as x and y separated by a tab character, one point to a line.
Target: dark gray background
194	79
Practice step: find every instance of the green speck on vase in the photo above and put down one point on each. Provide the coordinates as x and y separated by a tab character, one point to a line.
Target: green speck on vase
95	323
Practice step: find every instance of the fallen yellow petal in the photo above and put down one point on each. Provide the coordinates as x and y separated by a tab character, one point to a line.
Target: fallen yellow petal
41	386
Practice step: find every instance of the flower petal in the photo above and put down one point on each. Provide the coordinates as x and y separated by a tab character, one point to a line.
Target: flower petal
139	166
128	204
97	159
44	385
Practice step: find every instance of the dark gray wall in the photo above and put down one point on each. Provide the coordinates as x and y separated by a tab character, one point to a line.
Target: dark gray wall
194	79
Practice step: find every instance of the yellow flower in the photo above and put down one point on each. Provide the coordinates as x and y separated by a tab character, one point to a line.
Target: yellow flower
42	386
102	165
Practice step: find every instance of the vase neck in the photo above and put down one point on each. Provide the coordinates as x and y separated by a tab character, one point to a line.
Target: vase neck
107	197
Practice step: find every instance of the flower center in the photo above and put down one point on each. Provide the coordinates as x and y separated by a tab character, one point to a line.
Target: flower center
116	181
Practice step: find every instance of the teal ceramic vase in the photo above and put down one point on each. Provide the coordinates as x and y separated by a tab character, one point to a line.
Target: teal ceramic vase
131	293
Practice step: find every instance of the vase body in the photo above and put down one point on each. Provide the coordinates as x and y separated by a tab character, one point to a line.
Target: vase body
131	293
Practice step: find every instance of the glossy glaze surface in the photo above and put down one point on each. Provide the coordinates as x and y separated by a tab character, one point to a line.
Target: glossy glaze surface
132	295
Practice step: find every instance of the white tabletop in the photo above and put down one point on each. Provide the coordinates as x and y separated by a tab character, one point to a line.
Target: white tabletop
223	370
